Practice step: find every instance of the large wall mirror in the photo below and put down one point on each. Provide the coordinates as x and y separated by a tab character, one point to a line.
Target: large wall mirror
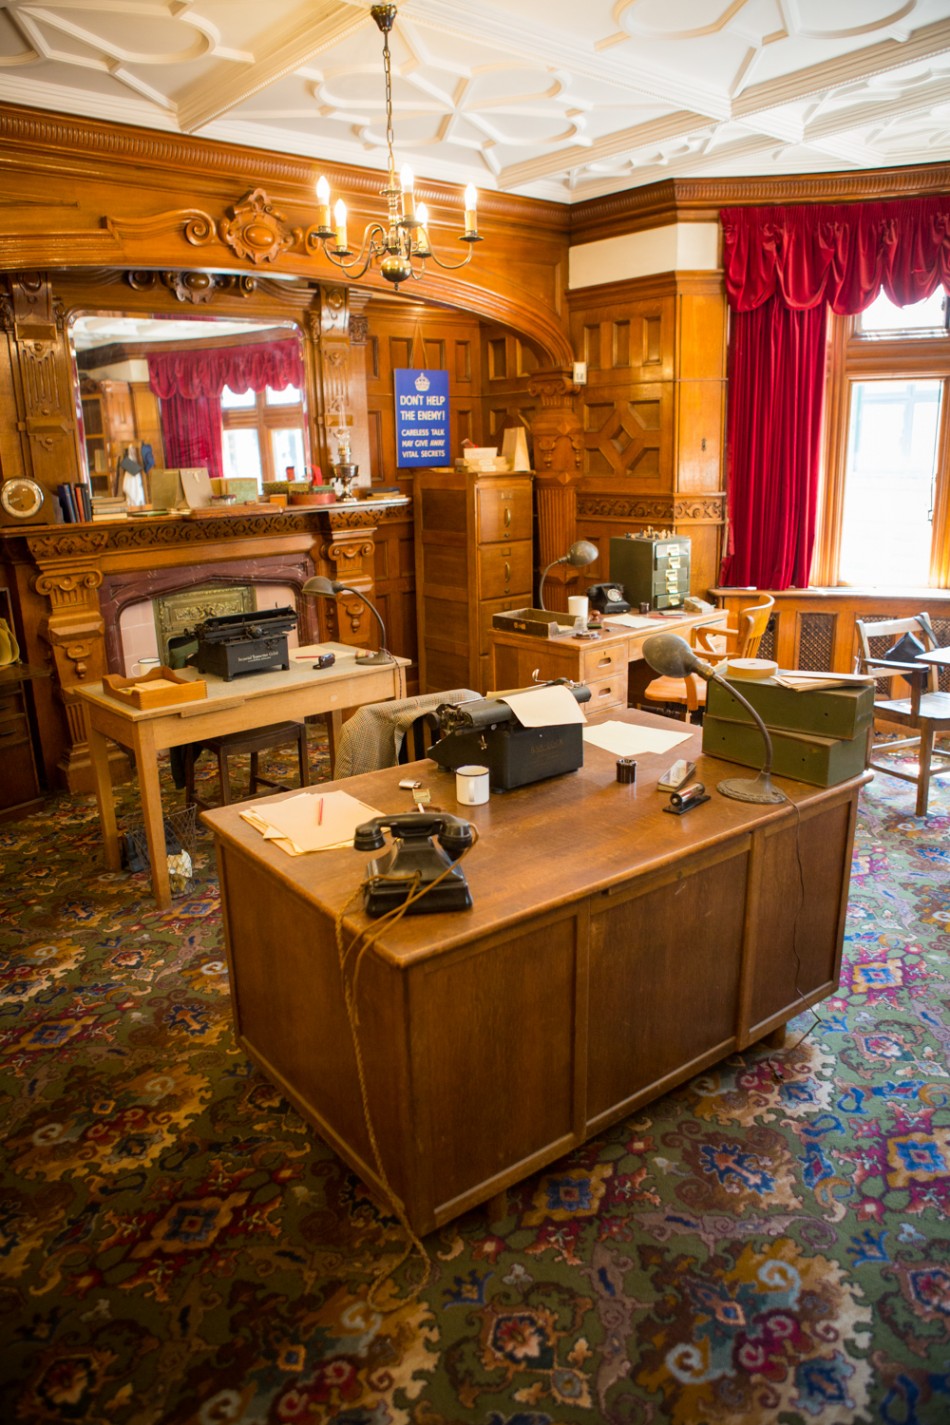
219	393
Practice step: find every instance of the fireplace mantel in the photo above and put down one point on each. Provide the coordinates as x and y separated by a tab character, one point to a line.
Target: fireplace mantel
70	583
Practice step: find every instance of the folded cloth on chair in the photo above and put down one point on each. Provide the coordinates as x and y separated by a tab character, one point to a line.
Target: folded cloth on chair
373	736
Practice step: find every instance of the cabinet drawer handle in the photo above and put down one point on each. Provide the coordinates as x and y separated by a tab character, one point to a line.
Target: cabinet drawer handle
507	516
605	662
507	573
605	692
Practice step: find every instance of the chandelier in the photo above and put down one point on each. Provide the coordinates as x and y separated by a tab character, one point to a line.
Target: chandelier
400	246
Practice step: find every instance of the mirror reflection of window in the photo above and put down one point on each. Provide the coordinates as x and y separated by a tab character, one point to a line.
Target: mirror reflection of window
264	434
125	404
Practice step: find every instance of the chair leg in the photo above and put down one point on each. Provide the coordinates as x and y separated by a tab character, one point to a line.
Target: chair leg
189	752
223	777
923	778
303	755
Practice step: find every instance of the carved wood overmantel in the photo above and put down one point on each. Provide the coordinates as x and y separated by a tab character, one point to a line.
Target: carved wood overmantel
70	584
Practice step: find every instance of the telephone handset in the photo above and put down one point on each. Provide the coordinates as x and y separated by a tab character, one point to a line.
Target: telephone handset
424	846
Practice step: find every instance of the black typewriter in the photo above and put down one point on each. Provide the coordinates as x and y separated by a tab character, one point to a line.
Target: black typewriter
229	644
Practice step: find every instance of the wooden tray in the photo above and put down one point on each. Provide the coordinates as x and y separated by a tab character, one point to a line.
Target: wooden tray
158	688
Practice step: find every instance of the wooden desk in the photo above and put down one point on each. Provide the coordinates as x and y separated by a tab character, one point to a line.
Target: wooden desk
612	951
612	665
252	700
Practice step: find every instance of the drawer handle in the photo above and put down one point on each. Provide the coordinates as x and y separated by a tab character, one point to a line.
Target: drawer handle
605	692
507	516
507	573
605	662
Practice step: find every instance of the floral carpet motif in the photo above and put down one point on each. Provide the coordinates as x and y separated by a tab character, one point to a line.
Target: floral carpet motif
770	1242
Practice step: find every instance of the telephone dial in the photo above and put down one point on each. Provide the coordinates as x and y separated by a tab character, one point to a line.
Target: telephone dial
424	845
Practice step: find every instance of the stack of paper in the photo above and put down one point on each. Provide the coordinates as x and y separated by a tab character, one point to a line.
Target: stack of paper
312	821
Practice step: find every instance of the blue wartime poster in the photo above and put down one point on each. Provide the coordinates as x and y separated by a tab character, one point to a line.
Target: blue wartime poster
422	417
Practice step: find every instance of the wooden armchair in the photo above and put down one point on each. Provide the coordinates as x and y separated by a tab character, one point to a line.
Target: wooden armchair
925	712
741	640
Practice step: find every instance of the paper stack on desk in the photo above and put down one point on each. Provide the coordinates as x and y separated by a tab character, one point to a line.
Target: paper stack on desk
312	821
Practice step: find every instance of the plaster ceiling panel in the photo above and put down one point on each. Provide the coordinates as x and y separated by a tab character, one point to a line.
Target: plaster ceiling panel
544	97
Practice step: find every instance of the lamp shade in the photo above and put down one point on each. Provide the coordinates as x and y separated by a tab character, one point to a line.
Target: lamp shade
671	657
581	553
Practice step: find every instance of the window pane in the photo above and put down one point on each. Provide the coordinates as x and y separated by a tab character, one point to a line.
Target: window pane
922	318
242	455
287	449
231	401
290	396
889	483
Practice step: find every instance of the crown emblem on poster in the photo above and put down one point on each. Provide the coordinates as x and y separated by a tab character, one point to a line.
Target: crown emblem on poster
422	382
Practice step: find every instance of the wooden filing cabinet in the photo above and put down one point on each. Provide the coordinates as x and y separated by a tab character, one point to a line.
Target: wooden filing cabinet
474	558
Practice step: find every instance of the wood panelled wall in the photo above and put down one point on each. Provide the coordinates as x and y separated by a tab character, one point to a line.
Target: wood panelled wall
653	414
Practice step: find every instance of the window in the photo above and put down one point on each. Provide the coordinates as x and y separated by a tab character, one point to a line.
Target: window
884	514
264	434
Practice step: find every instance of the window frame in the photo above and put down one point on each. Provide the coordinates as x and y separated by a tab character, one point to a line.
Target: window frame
856	356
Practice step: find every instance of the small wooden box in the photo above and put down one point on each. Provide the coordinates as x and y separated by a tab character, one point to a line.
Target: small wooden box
158	688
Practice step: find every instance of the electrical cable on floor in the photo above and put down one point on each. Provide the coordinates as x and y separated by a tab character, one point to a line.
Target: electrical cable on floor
776	1069
364	940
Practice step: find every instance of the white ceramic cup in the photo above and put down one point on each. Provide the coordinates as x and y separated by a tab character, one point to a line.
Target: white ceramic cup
145	665
578	605
471	786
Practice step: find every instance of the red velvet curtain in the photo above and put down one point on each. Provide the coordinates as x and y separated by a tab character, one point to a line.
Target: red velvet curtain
784	267
189	386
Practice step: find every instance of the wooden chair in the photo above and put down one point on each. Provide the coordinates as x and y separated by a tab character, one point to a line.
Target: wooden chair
925	712
687	696
255	740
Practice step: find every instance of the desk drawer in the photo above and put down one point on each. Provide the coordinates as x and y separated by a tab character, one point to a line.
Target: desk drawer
599	661
504	569
503	514
607	693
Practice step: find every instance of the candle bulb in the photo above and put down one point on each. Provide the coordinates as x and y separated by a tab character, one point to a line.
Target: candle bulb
323	204
339	213
421	245
471	215
406	182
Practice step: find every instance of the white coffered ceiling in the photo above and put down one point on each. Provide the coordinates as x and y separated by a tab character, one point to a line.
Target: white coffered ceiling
559	99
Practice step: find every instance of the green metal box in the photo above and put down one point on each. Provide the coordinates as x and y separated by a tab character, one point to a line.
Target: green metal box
829	712
808	757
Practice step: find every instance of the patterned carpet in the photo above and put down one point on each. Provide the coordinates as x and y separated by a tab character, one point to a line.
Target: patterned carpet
770	1243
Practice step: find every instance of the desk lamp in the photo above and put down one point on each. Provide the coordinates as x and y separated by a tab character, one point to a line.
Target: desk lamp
580	554
671	657
327	588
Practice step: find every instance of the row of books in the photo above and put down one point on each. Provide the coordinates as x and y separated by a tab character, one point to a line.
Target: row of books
75	502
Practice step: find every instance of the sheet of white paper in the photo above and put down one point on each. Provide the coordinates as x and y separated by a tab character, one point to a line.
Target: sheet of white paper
633	621
545	707
628	740
299	819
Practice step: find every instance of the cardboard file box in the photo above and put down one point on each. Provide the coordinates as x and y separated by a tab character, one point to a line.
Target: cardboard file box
805	756
828	712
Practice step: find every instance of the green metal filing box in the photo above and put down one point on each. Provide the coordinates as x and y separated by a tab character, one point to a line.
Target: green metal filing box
819	736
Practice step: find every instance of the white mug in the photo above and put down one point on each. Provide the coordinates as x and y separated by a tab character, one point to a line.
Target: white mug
471	786
145	665
578	605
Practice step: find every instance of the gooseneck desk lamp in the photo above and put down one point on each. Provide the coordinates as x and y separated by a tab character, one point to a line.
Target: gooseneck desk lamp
671	657
580	554
327	588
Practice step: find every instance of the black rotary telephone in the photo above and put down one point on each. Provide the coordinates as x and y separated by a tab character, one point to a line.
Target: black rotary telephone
424	846
608	599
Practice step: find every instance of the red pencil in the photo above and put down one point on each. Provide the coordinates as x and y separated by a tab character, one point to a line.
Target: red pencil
320	812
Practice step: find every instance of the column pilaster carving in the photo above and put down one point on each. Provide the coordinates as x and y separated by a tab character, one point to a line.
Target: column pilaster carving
558	448
41	374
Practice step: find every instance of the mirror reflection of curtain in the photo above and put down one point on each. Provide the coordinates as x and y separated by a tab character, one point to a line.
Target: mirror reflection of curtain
189	386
